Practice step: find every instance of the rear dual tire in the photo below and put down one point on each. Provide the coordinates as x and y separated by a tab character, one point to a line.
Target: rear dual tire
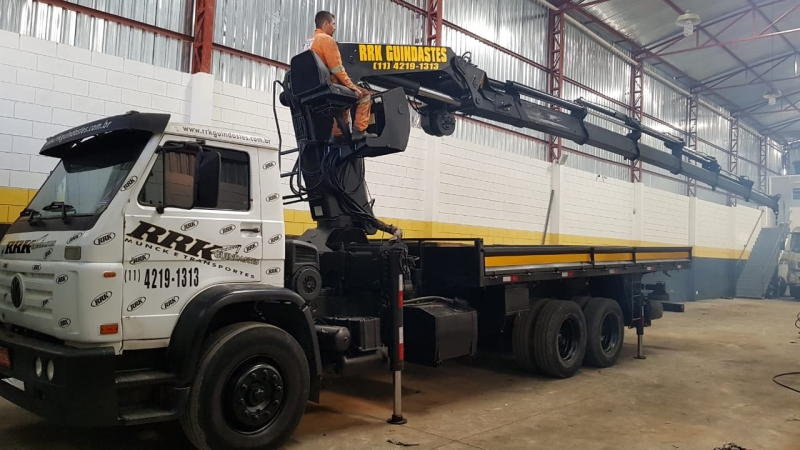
556	337
551	338
606	333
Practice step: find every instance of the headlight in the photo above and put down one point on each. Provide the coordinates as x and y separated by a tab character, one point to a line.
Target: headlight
51	370
39	367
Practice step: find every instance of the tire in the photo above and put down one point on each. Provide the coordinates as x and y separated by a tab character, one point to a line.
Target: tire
605	332
559	339
521	343
795	292
656	310
582	300
259	364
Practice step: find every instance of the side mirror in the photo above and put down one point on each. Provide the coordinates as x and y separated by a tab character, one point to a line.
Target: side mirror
190	177
783	245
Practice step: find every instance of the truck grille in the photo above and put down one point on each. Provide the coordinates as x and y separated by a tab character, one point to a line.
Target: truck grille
16	291
26	288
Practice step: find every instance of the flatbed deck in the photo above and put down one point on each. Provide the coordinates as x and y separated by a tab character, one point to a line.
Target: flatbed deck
471	263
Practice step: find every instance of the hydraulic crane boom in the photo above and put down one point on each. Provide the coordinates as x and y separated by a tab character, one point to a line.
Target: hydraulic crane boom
448	85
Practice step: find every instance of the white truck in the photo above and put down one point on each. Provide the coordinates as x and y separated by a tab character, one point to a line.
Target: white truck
97	275
789	264
151	278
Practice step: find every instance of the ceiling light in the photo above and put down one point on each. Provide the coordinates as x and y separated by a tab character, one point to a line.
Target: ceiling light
772	94
688	22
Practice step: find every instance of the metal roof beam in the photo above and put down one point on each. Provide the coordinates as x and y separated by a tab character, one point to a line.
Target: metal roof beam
760	12
753	83
583	5
718	43
727	50
758	105
679	35
716	80
783	125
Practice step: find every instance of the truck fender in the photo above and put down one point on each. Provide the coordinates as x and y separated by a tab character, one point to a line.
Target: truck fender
188	336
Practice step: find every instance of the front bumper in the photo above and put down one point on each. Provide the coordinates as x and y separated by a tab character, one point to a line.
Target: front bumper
82	392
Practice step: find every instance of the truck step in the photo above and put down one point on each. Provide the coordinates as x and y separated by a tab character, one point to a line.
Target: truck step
136	416
138	378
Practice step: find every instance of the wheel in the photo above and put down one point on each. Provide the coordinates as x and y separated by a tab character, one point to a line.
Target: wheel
795	291
522	340
582	300
605	332
559	339
438	122
250	389
656	310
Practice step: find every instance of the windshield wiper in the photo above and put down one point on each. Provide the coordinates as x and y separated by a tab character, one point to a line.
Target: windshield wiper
31	214
55	206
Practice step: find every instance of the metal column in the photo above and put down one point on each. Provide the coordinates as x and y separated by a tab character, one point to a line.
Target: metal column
762	164
637	101
203	45
733	164
434	22
691	142
556	66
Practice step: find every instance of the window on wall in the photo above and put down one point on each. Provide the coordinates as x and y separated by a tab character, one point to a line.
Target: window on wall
171	180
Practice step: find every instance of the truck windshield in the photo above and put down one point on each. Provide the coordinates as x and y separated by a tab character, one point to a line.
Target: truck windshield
794	245
86	179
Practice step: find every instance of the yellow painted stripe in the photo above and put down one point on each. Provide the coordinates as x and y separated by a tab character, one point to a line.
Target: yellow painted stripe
604	257
13	200
662	256
530	260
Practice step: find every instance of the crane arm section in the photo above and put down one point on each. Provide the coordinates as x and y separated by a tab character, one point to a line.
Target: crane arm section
450	84
329	172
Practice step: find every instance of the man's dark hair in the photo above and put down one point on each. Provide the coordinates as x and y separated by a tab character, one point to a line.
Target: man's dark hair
322	17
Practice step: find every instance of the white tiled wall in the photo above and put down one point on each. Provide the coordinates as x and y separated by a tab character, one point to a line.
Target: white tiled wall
47	87
713	225
491	187
594	205
665	217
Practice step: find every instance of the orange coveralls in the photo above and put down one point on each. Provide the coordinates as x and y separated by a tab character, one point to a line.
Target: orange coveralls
325	46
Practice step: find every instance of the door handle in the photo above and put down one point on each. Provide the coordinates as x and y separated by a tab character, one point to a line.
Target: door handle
251	230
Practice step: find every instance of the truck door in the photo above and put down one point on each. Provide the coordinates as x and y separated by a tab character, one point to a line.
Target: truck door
173	250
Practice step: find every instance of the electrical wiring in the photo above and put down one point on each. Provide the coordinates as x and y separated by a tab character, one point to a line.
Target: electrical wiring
775	379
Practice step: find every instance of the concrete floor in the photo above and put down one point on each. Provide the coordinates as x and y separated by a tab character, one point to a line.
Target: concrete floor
707	380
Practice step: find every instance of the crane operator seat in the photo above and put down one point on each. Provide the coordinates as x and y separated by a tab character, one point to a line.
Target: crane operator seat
317	101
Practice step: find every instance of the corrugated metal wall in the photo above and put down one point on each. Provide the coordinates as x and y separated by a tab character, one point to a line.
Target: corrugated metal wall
592	65
66	27
513	24
748	154
276	29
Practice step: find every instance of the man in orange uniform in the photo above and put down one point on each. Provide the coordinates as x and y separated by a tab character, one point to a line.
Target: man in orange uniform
323	44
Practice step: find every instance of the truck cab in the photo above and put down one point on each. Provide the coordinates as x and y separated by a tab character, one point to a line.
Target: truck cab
790	262
146	239
124	232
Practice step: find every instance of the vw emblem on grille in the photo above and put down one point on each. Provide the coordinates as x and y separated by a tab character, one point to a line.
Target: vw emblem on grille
17	290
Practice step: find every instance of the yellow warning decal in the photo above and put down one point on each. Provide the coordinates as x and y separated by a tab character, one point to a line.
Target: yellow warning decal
401	53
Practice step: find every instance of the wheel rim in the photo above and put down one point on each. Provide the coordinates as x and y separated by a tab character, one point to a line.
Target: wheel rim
609	333
253	395
568	340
